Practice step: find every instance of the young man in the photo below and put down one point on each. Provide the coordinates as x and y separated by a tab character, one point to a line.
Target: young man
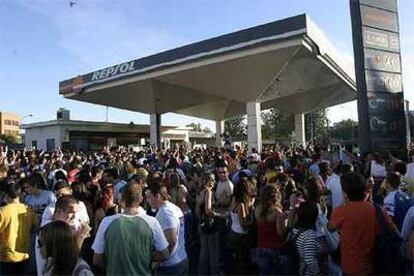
66	209
396	202
36	198
63	189
125	243
224	189
17	222
359	227
111	176
171	219
334	185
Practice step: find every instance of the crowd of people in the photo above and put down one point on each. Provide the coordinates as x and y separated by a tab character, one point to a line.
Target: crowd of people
286	210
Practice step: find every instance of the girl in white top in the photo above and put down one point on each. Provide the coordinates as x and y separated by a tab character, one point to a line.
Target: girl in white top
241	219
241	206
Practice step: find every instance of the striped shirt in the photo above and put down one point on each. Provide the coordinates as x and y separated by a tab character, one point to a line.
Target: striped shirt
307	248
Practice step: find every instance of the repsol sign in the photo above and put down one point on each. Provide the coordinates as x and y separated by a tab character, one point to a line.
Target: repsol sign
113	71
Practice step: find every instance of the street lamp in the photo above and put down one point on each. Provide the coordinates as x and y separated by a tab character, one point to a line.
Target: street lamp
24	117
20	124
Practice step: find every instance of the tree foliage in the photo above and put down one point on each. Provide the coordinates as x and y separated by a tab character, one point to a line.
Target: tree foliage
9	138
236	126
199	128
344	130
276	123
195	126
316	126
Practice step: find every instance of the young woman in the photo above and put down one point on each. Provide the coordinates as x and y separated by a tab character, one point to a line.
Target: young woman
106	206
241	219
57	243
313	194
209	234
271	231
303	237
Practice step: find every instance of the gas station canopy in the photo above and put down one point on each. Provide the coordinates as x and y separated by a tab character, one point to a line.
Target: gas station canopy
288	64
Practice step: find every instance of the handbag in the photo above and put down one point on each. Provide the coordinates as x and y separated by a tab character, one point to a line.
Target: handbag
209	224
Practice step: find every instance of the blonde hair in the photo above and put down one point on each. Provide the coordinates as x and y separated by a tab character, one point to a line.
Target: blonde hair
270	195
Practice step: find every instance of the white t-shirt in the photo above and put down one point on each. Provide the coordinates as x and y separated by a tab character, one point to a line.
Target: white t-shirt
314	169
334	185
160	242
170	216
81	216
389	203
224	190
410	171
53	173
377	170
408	224
343	155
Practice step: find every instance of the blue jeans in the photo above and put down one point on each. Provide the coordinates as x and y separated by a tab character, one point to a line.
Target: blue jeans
271	261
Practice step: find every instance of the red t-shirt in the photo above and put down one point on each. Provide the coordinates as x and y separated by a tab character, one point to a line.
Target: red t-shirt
358	226
72	175
267	236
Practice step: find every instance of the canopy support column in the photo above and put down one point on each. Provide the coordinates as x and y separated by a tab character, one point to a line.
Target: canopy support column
219	132
300	129
155	130
254	126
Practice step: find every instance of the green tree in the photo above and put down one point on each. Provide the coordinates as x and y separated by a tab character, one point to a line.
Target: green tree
9	138
236	126
196	127
344	130
276	123
316	123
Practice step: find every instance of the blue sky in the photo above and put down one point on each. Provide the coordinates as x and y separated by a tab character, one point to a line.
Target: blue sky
45	41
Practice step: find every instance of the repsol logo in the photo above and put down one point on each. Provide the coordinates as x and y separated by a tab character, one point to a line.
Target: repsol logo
113	71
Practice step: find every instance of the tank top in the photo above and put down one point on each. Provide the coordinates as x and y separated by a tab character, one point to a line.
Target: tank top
235	224
267	236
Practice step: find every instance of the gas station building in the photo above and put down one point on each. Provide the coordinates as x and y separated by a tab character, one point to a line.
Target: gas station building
288	64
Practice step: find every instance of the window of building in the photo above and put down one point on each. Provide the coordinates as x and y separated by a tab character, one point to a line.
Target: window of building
16	123
50	144
8	122
34	144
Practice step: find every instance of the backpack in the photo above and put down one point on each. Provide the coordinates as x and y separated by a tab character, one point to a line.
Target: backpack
402	202
388	257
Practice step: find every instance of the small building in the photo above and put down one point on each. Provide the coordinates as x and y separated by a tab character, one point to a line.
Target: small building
93	136
9	124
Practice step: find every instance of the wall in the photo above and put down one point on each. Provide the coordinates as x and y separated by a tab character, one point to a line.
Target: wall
9	124
41	134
